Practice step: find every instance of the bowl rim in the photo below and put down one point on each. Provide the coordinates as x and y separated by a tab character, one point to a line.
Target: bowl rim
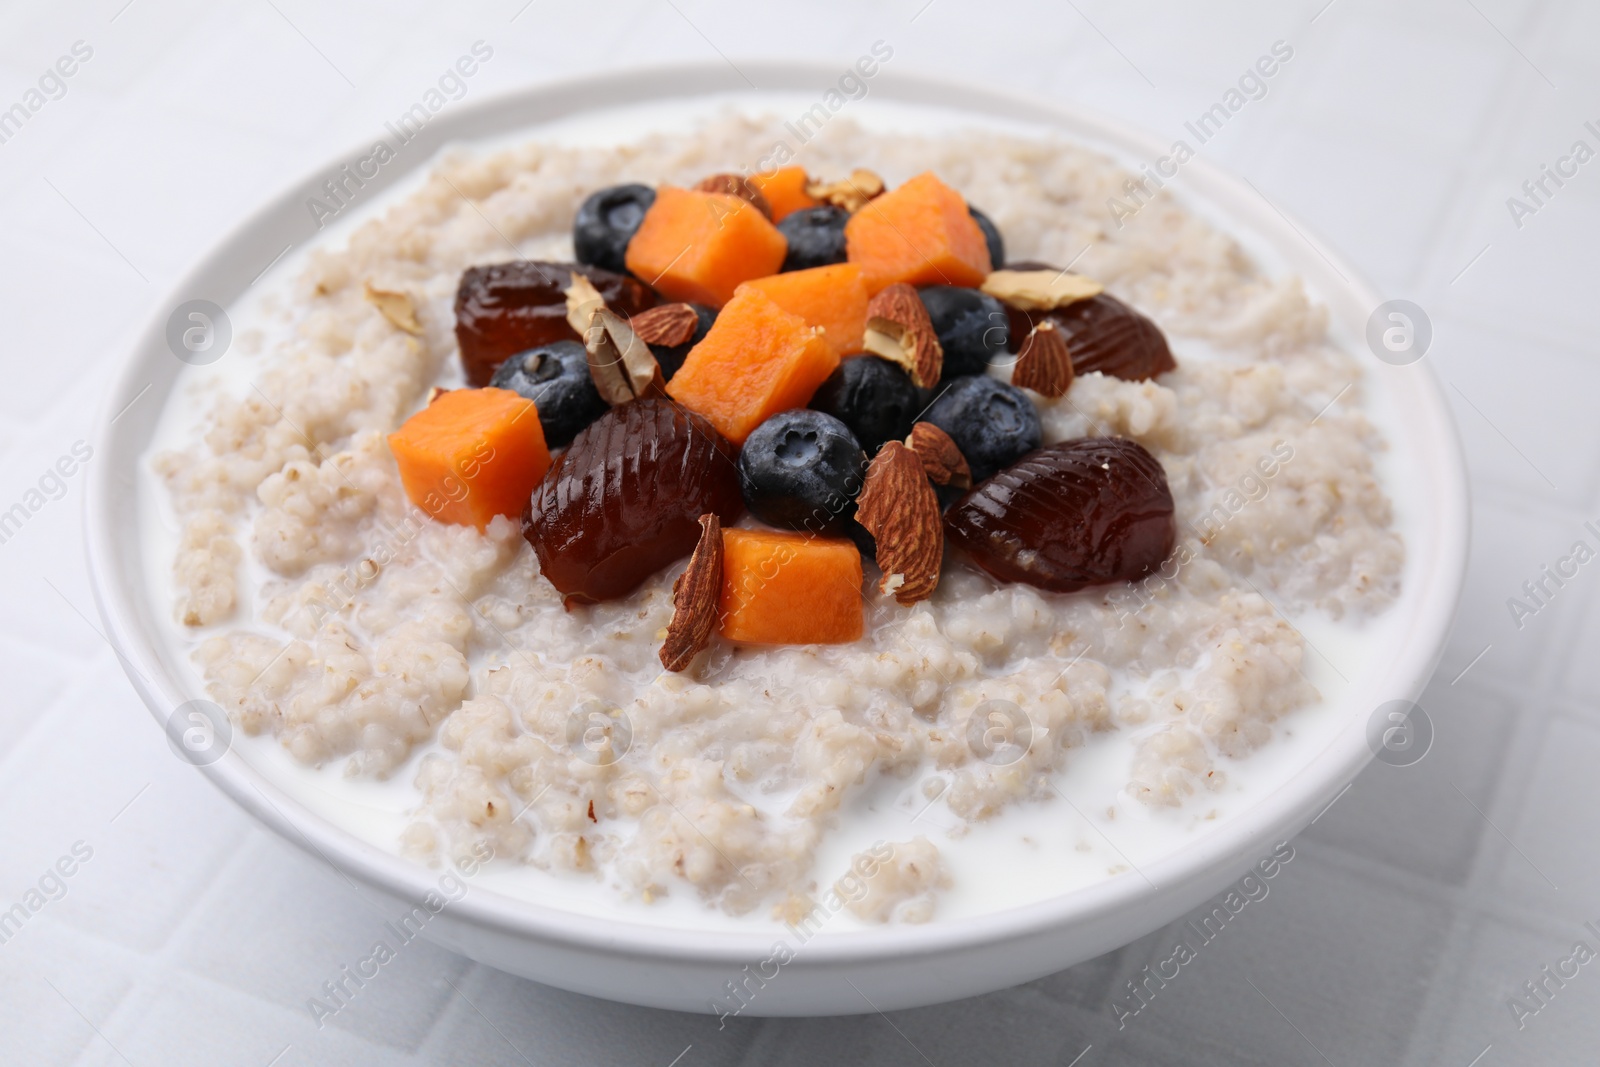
1234	844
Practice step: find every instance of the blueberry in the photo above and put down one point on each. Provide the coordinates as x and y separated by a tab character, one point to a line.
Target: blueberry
801	470
556	378
815	236
671	358
873	397
991	236
994	424
606	223
972	327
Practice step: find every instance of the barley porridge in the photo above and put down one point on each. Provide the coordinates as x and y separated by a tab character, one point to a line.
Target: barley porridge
359	643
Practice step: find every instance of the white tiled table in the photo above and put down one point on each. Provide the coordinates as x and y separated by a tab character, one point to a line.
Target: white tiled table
1422	900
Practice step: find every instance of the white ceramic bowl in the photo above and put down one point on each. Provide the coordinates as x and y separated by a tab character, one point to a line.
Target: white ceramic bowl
897	966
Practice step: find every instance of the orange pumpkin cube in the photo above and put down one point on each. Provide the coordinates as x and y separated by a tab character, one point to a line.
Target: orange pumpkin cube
781	588
833	297
785	190
756	361
698	247
921	233
472	454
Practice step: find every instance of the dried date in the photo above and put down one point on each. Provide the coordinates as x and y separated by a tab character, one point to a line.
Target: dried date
506	308
1069	515
625	500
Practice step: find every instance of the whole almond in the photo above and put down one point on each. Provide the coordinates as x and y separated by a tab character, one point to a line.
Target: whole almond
1044	364
736	185
669	325
941	459
899	330
899	508
695	596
